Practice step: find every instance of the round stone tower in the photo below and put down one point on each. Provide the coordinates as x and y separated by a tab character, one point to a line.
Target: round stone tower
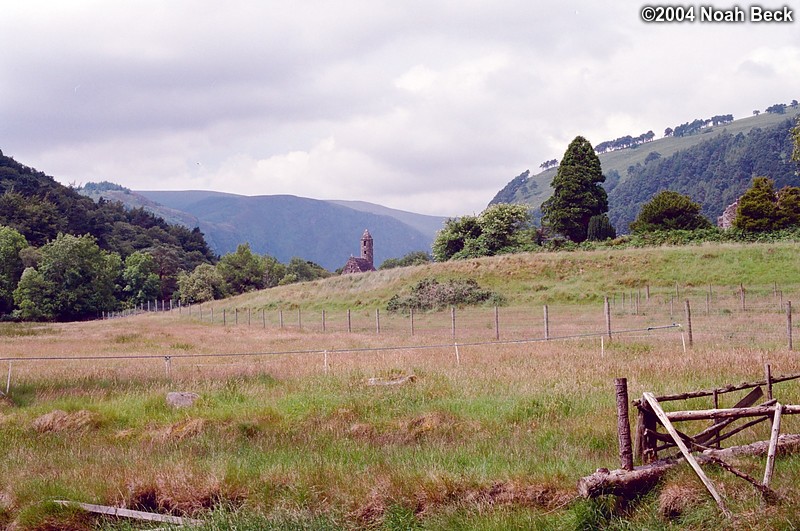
366	247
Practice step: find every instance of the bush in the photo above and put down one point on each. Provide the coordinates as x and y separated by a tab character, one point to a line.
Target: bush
430	294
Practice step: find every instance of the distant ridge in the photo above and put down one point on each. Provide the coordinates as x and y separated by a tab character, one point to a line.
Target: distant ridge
623	206
286	226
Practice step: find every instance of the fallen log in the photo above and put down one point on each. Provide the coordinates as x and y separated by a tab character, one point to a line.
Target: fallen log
787	444
631	483
624	483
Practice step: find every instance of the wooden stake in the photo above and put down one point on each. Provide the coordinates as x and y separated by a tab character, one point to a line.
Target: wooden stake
453	321
496	323
323	320
458	356
349	322
377	321
412	322
773	444
326	361
768	379
280	318
789	322
623	424
685	451
546	324
688	312
607	310
8	380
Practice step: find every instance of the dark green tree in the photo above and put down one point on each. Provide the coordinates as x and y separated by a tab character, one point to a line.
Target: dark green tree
577	194
75	280
789	206
758	207
600	229
501	228
452	240
11	266
669	210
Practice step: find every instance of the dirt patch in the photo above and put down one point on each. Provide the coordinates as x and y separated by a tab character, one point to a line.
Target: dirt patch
178	431
675	500
60	421
179	492
434	496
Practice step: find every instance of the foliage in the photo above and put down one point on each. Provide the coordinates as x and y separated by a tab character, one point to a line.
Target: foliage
763	210
600	228
76	280
201	285
304	270
715	172
430	294
577	194
140	276
669	210
242	270
500	229
796	137
411	259
11	265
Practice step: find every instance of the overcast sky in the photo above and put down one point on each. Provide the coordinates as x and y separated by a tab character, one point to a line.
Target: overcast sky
427	106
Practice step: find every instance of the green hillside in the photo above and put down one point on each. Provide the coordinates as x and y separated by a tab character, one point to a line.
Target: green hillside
535	189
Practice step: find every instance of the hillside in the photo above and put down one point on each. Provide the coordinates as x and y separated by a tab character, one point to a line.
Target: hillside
535	189
286	226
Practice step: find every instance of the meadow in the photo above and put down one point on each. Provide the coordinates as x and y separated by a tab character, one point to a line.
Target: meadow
289	433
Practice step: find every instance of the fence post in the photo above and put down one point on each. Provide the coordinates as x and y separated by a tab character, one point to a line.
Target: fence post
412	322
280	318
789	322
248	316
453	321
224	317
236	316
688	321
768	379
263	317
323	321
299	319
546	324
496	323
607	309
8	380
212	314
377	320
623	425
349	322
647	292
742	296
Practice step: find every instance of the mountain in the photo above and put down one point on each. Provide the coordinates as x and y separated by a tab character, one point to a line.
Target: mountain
713	167
285	226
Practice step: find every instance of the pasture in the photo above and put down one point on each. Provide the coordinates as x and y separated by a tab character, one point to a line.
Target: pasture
493	432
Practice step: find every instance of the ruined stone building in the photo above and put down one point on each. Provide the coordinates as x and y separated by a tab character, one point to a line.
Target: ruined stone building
364	263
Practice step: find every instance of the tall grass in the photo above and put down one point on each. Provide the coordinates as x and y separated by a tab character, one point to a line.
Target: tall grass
492	439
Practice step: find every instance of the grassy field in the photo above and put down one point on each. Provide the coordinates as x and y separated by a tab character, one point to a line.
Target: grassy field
288	433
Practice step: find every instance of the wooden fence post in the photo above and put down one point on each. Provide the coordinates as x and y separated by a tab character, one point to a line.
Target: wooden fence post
280	318
299	319
236	316
688	311
546	323
623	425
412	321
377	320
453	321
496	323
742	297
768	379
323	321
349	322
773	444
607	309
789	322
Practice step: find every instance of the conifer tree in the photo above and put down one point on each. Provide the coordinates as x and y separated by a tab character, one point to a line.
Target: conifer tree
577	194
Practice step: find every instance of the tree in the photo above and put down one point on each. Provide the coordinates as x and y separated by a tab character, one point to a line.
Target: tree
501	228
758	207
140	277
11	265
789	207
411	259
577	194
242	270
669	210
453	238
600	229
75	280
796	135
201	285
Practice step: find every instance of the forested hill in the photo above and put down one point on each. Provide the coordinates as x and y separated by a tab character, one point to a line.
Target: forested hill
713	166
40	208
713	173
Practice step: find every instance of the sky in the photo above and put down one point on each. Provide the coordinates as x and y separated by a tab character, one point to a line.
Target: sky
430	107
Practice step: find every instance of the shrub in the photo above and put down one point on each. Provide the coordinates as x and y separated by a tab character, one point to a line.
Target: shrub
430	294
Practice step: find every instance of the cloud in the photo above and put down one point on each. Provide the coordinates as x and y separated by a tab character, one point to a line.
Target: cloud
430	107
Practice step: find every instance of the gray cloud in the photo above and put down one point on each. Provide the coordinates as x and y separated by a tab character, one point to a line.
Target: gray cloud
425	106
